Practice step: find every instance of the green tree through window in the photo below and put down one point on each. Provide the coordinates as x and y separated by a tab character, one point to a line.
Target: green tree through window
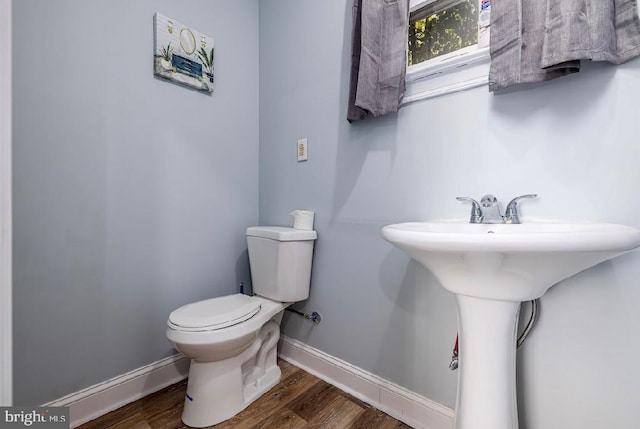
442	32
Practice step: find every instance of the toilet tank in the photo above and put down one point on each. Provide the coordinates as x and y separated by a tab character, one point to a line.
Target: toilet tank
280	260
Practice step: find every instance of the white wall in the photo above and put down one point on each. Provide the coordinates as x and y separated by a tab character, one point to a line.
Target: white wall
131	194
6	349
573	141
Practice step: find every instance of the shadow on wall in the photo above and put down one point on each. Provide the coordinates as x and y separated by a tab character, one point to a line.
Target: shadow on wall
356	140
425	313
243	273
306	327
584	94
578	355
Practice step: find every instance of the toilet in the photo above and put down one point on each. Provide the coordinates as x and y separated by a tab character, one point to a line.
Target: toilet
232	340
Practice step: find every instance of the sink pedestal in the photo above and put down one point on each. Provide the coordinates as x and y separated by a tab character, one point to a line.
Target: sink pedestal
487	364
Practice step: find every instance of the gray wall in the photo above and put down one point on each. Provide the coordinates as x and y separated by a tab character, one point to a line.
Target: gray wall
573	141
131	194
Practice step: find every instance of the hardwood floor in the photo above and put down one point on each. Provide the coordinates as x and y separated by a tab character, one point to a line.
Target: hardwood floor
300	400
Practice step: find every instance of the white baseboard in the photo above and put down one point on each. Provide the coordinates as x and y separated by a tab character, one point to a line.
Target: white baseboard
97	400
400	403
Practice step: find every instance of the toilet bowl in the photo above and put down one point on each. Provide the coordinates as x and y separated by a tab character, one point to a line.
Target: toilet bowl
232	340
232	361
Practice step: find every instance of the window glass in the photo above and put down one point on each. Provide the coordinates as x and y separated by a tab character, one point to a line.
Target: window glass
442	27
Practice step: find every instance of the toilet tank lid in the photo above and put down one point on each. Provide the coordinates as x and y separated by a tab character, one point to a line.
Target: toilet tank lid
281	233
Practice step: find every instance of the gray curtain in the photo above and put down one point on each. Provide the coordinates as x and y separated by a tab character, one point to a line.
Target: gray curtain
378	57
538	40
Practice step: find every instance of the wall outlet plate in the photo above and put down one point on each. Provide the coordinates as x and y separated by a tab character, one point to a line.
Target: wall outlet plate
303	155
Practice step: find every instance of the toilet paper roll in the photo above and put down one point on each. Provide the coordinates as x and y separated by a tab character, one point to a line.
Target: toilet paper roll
303	219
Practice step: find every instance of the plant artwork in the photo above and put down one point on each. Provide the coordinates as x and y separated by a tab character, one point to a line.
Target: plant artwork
182	54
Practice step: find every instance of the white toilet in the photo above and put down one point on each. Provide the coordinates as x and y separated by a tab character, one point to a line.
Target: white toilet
232	340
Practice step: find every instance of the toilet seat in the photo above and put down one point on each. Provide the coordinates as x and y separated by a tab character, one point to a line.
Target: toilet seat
214	314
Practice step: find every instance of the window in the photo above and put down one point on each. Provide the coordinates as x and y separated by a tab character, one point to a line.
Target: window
448	47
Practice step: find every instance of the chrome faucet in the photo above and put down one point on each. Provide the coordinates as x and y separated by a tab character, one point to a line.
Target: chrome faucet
488	210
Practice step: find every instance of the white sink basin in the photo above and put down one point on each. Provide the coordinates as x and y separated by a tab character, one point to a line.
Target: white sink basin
509	262
491	269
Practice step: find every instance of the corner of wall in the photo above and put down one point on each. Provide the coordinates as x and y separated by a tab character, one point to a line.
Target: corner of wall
6	384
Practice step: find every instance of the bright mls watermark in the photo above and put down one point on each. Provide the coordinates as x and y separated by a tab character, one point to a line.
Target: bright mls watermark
34	417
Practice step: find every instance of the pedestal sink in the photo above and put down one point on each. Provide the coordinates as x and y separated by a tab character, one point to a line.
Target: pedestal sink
491	268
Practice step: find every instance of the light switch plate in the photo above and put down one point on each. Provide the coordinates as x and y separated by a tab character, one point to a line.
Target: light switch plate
303	155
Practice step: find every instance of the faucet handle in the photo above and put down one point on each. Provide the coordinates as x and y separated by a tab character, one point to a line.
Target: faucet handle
476	211
511	212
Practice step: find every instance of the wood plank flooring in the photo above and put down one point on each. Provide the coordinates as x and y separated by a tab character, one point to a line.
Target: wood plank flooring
299	401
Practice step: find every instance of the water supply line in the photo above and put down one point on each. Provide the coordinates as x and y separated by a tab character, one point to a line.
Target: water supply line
530	323
315	317
532	320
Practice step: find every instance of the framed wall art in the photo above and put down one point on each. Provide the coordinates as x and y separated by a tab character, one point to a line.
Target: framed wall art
182	54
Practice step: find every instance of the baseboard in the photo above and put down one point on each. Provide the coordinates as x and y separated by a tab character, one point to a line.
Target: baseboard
398	402
395	400
97	400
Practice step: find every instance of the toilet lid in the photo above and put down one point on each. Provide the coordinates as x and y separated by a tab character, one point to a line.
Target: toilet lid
216	313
